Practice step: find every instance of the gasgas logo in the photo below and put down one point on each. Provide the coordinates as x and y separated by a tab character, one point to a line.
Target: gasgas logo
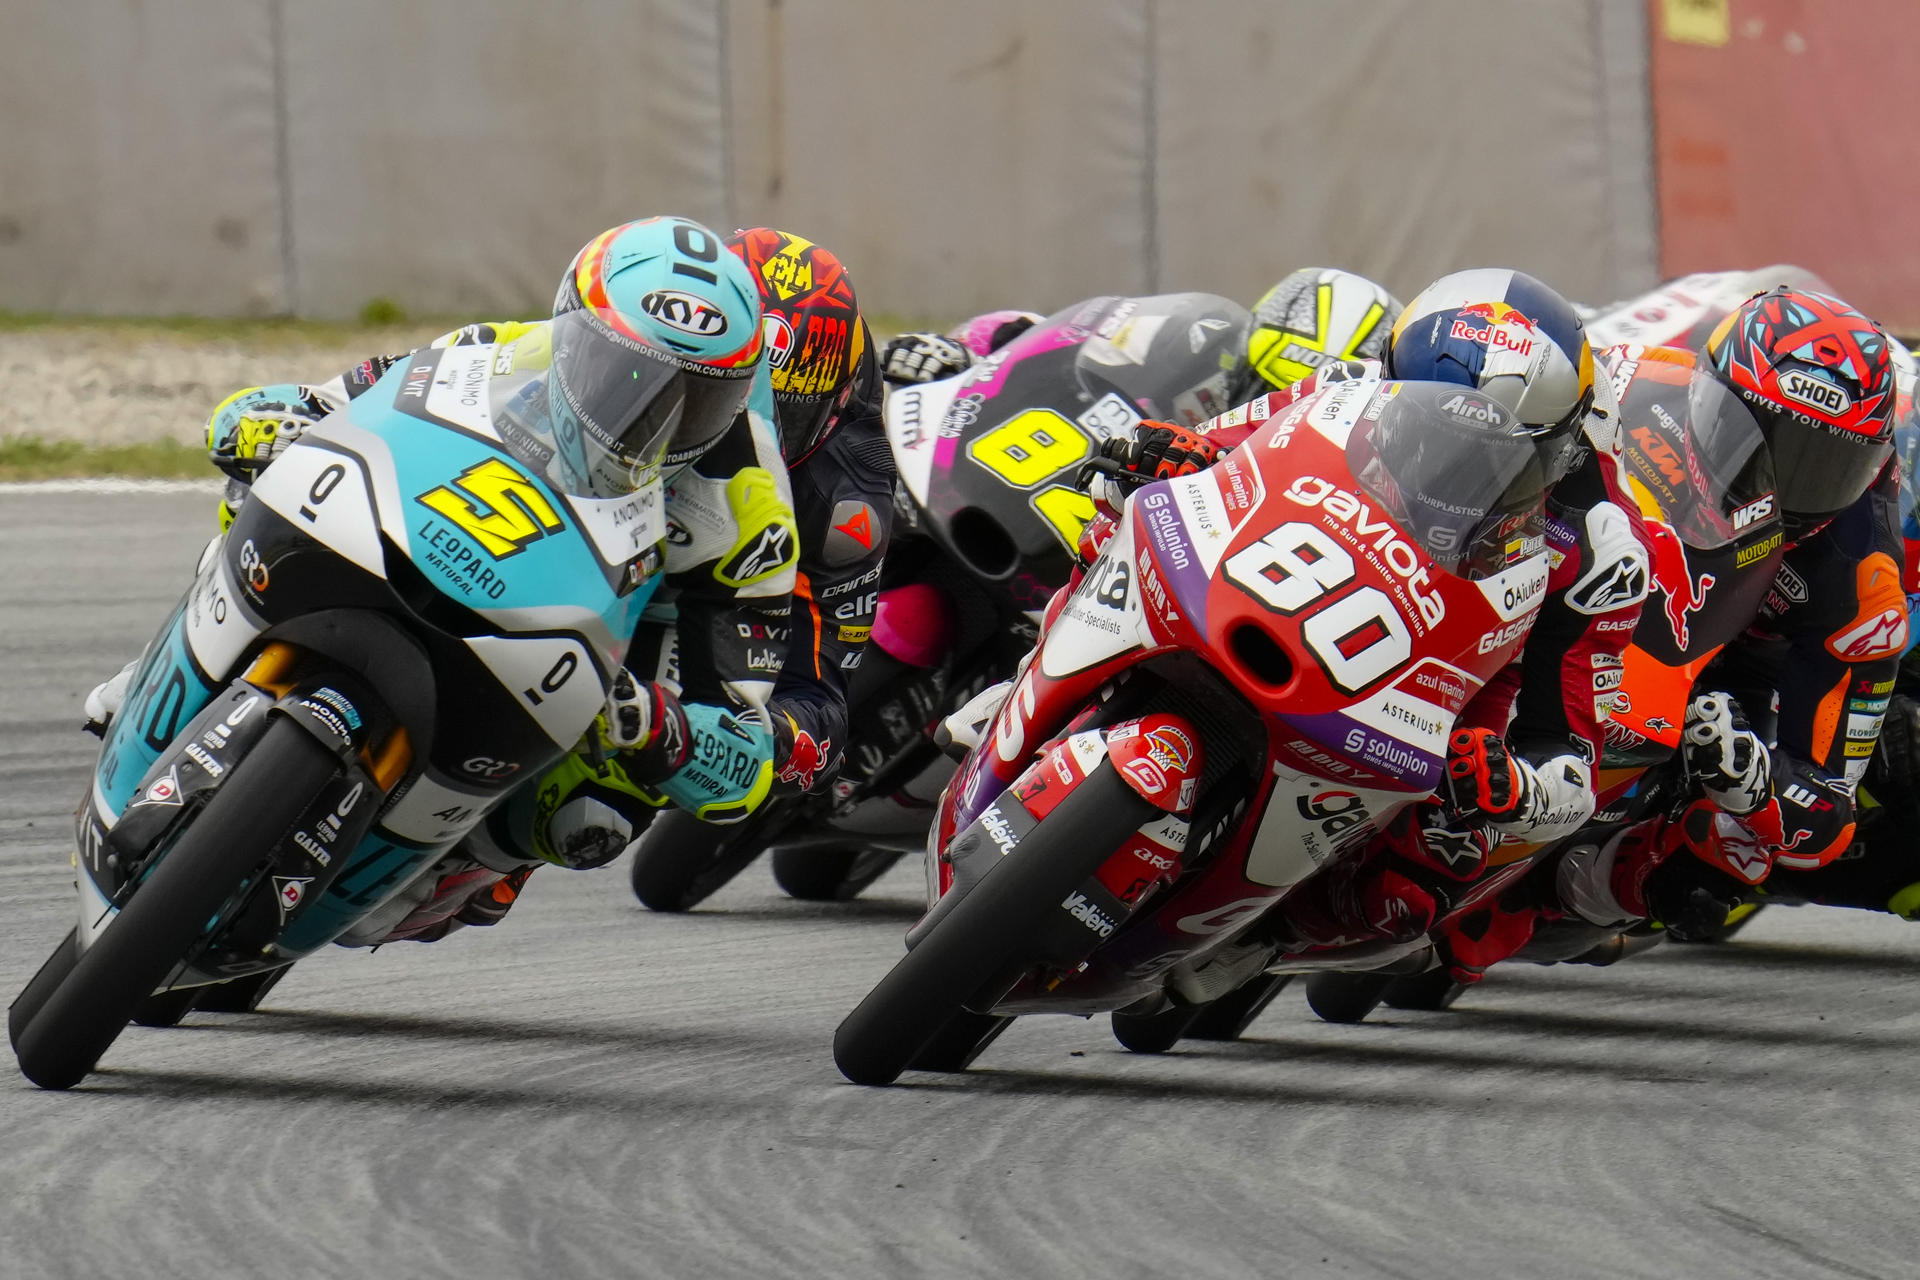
1502	328
1400	555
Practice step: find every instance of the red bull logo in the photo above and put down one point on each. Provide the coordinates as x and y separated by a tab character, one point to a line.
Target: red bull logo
1501	327
1668	565
804	762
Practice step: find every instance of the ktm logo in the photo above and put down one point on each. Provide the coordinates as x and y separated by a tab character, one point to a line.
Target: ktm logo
1661	454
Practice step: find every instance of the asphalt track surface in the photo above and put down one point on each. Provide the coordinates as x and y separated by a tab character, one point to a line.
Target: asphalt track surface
589	1090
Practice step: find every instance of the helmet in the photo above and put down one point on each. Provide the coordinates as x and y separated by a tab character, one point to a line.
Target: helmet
1173	356
1819	377
1515	339
1457	469
1310	319
817	342
656	338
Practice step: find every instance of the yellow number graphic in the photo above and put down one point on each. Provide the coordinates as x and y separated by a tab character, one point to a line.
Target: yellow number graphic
1067	510
502	510
1029	447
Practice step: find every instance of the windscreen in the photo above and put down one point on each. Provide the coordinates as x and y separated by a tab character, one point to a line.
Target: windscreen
1703	457
1171	355
1456	470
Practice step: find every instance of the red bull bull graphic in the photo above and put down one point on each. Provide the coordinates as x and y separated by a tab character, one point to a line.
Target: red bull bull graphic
804	762
1668	565
1501	327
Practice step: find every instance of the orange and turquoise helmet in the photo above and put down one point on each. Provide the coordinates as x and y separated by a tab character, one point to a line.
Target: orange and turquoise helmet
656	342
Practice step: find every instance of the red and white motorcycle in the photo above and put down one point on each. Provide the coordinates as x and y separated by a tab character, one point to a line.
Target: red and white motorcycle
1258	673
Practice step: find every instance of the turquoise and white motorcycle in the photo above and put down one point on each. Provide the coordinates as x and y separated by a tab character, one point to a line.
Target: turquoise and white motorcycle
415	612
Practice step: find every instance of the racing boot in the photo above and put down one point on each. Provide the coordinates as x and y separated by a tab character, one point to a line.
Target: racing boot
104	703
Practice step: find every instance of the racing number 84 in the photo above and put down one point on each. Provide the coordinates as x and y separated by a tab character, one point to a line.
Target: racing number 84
1359	638
1034	446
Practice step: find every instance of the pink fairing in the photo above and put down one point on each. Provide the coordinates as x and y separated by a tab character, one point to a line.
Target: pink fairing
915	624
982	334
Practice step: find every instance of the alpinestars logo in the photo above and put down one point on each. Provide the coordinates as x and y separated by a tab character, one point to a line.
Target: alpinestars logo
765	555
1882	636
1620	583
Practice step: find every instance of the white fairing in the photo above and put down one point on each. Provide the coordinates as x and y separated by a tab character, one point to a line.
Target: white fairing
433	813
1102	618
554	677
1664	315
219	625
914	413
324	495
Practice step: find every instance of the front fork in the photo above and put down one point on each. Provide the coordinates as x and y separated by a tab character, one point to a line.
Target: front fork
1158	755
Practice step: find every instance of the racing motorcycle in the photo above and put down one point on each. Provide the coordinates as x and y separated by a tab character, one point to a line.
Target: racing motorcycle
406	620
1257	674
988	511
1698	467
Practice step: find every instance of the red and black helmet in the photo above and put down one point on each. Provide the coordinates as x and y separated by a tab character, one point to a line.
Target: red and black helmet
816	340
1818	376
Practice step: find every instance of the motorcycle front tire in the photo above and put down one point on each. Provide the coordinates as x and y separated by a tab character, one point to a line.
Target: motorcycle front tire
980	940
82	1016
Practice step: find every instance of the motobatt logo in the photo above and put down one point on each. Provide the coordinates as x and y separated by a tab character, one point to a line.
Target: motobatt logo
1758	509
684	312
1401	557
1815	393
1758	551
1088	914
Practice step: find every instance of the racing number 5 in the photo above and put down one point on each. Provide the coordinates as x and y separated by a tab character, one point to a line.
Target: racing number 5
1360	638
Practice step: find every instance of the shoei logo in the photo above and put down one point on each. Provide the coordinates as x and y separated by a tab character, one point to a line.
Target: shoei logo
684	312
1815	393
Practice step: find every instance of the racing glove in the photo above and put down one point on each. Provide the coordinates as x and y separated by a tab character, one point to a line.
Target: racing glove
644	723
1150	451
923	357
1724	757
250	428
1487	783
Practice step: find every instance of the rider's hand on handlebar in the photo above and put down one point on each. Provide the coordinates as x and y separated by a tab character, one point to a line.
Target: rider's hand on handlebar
1724	757
1150	451
249	430
645	724
923	357
1488	783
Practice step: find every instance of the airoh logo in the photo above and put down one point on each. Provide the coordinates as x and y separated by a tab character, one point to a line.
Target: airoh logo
1816	393
1473	409
684	312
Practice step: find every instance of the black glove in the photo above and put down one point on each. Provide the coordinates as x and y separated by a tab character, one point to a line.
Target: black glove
923	357
1692	899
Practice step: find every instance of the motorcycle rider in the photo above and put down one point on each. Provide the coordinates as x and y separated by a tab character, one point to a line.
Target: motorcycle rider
1816	671
1521	760
704	743
1312	317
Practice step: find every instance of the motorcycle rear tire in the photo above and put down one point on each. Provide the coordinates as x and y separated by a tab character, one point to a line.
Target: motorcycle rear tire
981	939
1346	997
241	995
830	875
1428	992
682	861
268	790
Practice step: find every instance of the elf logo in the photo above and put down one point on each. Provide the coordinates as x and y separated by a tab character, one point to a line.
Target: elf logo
1815	393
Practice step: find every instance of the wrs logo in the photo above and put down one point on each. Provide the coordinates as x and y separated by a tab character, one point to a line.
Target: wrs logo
1758	509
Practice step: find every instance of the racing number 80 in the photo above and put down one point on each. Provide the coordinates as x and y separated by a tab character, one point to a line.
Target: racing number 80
1360	638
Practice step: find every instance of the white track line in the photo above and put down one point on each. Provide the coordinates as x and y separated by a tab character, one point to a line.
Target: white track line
109	485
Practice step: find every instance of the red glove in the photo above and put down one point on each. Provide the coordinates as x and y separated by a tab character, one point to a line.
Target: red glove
1161	451
1484	781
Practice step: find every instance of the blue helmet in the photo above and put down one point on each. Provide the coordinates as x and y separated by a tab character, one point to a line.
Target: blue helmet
1512	337
656	339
